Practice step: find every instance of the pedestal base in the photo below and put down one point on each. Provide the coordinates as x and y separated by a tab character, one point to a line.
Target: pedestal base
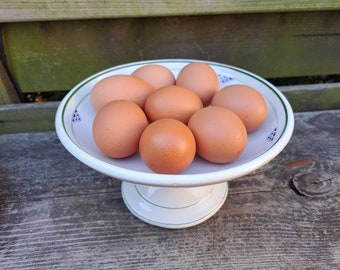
172	207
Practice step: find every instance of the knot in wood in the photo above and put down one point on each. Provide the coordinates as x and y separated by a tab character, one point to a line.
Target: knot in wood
316	185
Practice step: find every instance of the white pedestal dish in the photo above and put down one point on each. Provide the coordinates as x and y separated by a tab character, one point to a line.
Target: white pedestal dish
189	198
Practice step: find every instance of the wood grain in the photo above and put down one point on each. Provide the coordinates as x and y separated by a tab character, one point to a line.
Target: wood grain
318	184
32	10
55	56
56	213
27	117
313	97
33	117
8	93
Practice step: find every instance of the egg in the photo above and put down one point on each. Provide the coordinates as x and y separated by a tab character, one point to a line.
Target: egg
220	135
246	102
174	101
200	78
157	76
117	87
117	128
167	146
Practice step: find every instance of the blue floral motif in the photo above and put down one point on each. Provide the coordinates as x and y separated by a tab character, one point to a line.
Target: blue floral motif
272	135
224	79
76	117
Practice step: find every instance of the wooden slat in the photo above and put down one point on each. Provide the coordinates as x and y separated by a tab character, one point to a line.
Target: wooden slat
8	93
33	10
29	117
57	213
313	96
52	56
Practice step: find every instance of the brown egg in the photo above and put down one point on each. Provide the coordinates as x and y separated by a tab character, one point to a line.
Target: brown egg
167	146
246	102
200	78
174	101
117	128
156	76
117	87
220	134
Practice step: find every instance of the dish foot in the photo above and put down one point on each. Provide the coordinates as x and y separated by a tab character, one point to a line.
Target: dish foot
174	207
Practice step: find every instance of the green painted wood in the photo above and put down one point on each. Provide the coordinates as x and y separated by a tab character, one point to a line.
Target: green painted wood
29	117
33	10
8	93
52	56
313	97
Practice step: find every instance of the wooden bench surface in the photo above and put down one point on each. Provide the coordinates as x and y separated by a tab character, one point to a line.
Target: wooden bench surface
56	213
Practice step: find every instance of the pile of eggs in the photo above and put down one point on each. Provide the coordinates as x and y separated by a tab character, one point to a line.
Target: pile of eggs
169	120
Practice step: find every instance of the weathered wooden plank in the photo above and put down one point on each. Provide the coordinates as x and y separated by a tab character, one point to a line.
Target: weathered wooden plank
52	56
97	232
14	11
28	117
56	213
313	96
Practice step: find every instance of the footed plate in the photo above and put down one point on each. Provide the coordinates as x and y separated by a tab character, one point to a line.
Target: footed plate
74	121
